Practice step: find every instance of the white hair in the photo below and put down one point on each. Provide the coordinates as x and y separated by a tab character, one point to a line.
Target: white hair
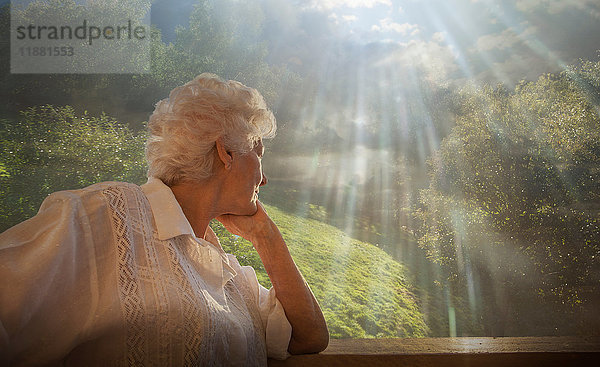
183	128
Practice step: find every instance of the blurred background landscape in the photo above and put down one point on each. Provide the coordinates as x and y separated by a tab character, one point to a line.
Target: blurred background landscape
436	170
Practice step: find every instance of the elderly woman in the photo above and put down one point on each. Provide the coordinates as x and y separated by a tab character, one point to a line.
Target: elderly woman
118	274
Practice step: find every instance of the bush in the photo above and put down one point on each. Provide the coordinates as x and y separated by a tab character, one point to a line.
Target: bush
51	148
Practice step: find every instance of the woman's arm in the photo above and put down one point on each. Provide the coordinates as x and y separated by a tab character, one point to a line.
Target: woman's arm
48	283
309	330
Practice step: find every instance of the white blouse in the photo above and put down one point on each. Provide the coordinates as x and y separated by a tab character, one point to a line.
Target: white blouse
113	275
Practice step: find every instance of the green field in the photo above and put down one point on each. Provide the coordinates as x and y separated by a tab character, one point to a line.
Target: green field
363	292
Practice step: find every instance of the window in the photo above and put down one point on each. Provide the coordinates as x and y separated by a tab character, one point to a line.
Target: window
437	165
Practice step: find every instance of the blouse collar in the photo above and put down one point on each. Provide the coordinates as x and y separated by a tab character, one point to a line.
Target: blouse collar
169	218
171	222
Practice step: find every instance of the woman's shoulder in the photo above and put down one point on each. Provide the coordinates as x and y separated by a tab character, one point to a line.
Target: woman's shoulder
65	211
103	187
91	193
90	200
93	209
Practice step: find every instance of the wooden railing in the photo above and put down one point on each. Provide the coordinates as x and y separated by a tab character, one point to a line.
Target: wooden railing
450	352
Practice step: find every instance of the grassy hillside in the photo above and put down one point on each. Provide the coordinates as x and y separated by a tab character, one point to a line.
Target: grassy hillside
363	292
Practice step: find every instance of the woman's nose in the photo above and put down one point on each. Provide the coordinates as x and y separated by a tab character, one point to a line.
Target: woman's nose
264	180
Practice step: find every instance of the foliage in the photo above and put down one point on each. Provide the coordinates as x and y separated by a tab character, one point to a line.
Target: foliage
208	44
513	203
224	37
50	148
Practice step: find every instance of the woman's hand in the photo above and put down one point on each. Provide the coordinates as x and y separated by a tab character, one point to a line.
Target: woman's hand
248	226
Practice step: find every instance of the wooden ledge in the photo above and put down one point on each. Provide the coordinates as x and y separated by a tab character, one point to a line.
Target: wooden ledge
489	352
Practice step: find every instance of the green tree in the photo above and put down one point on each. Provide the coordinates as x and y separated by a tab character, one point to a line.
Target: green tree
51	148
223	37
513	205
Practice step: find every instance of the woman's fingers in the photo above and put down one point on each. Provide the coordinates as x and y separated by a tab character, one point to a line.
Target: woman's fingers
227	222
245	225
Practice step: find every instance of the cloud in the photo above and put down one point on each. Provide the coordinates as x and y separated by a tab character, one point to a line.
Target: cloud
434	61
591	7
344	18
528	5
525	66
388	25
470	44
332	4
500	41
438	37
510	56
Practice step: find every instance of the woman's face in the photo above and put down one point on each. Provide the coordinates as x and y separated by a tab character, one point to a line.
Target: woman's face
247	177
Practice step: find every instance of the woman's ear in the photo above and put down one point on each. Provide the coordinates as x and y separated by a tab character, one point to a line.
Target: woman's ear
224	155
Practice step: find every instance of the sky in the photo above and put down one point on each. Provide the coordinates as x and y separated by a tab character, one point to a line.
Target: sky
449	40
493	41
